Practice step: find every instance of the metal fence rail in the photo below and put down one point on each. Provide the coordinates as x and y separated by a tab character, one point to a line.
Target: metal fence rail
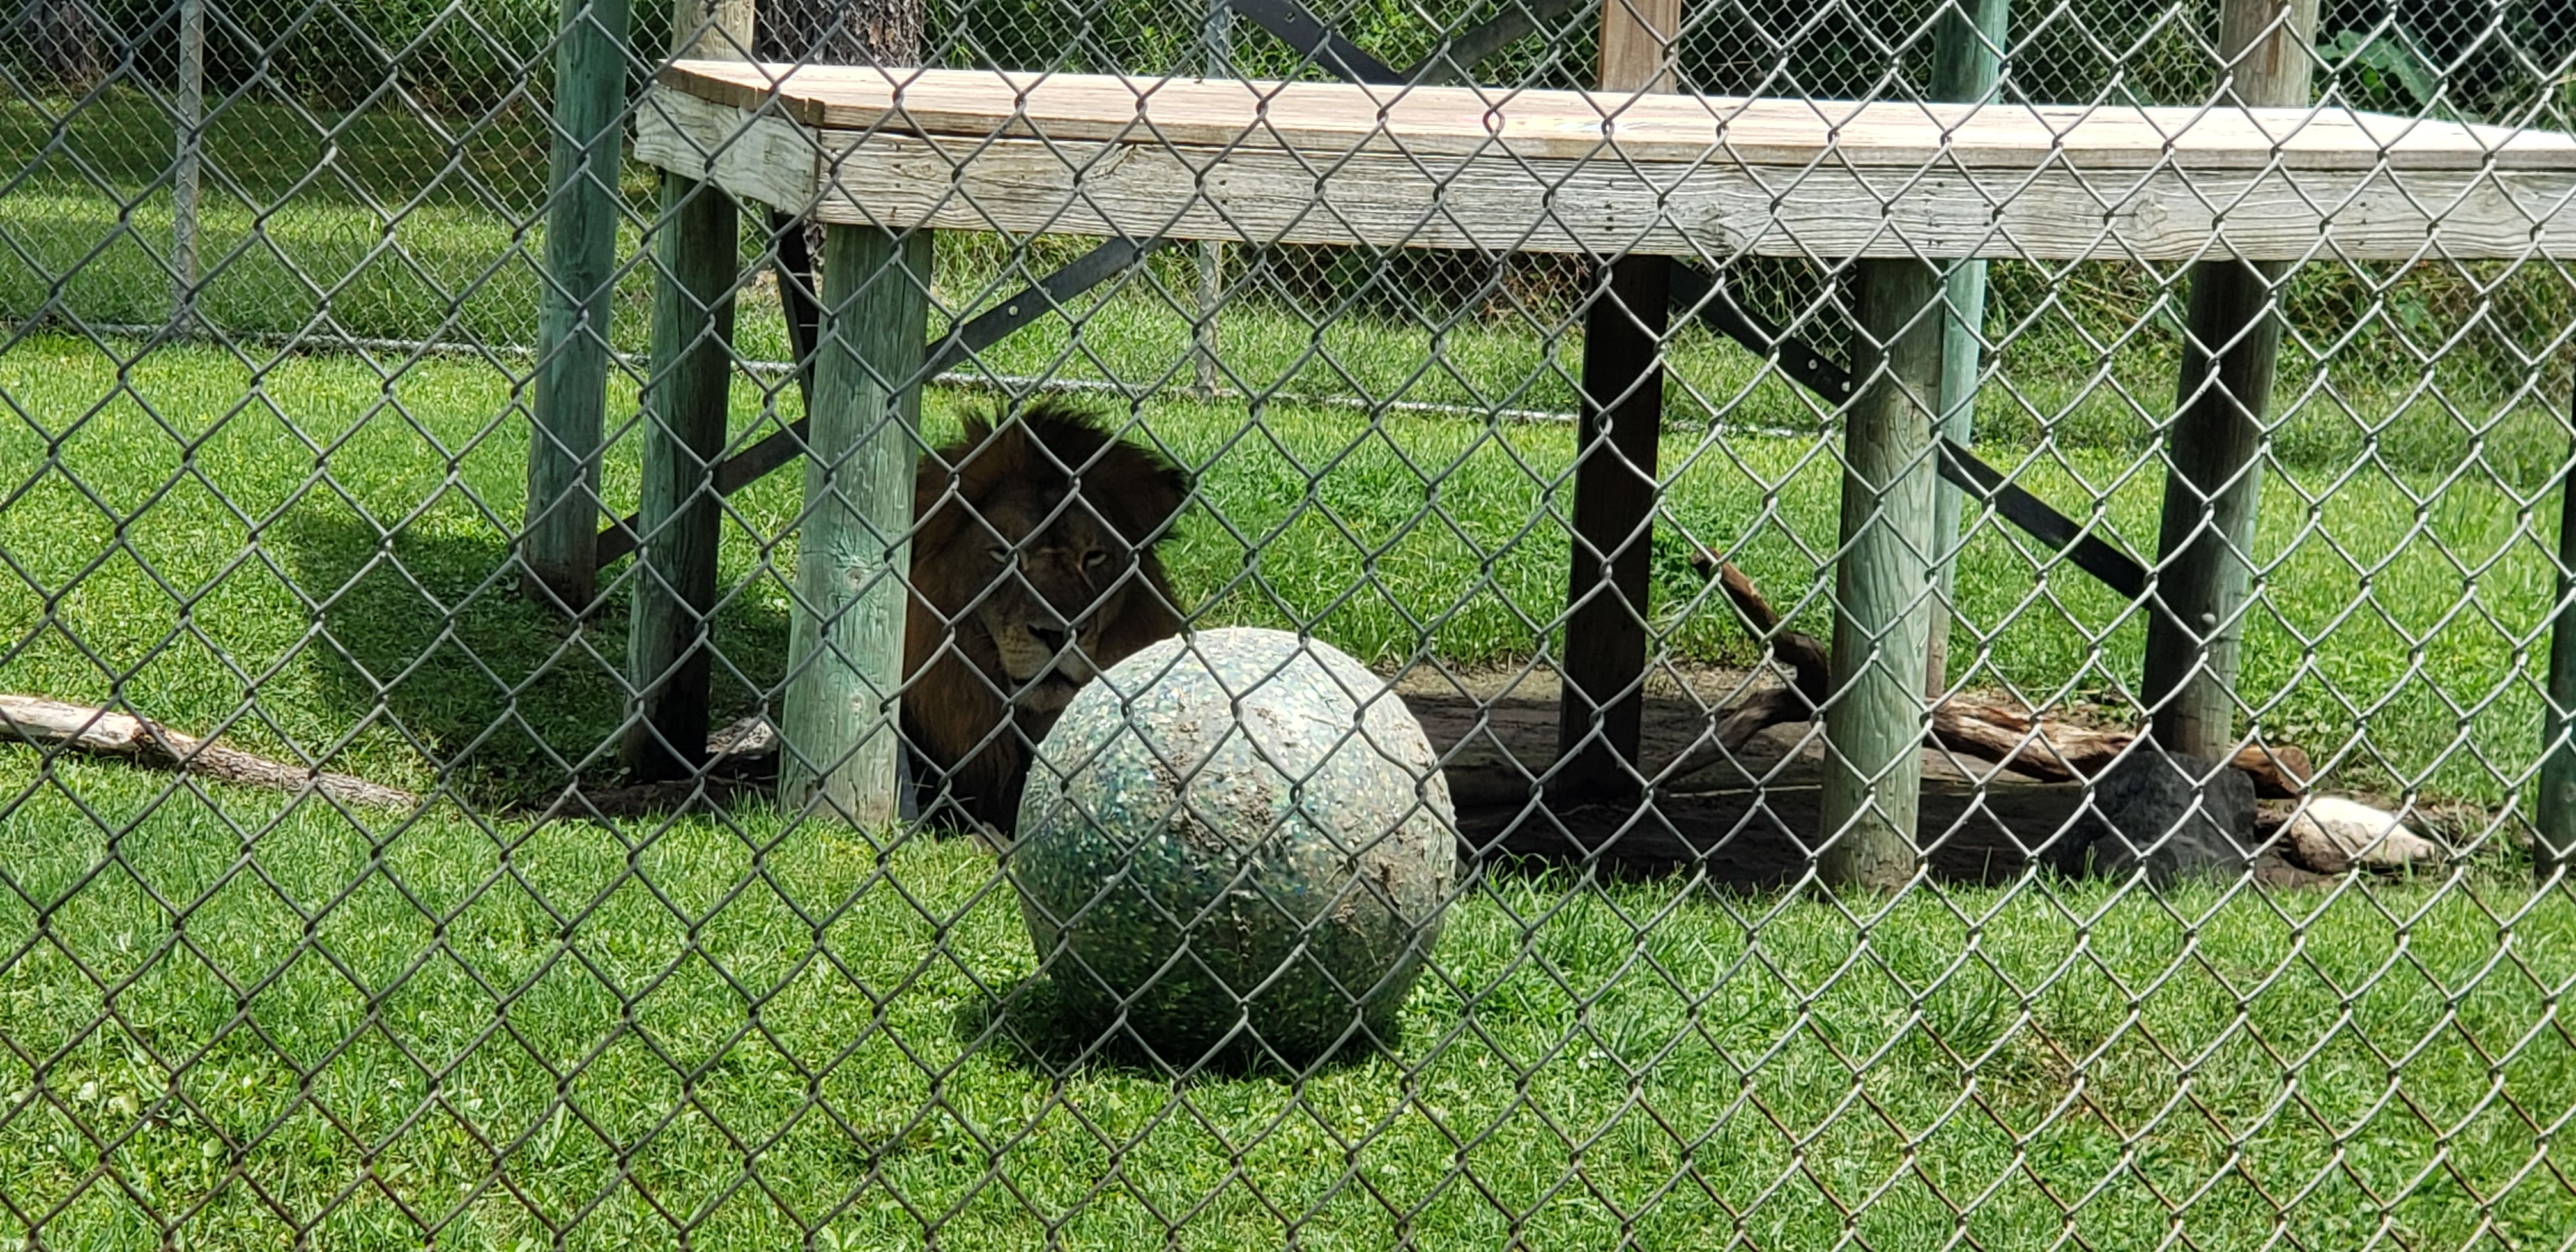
1963	725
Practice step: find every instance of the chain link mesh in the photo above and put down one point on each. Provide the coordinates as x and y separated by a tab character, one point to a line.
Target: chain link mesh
271	276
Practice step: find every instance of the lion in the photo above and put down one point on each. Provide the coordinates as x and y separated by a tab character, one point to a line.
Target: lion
1027	582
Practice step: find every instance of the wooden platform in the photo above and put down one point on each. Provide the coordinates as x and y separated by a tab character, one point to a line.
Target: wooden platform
1565	171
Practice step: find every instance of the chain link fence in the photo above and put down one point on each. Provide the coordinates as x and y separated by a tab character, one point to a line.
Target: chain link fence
349	894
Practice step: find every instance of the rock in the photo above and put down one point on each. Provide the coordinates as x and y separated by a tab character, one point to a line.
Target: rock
2330	834
2153	809
1237	831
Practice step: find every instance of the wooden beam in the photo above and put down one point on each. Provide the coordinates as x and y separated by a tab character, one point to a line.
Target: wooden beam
1602	696
837	731
1967	56
1734	206
686	402
1601	702
1882	584
2032	516
569	399
2232	339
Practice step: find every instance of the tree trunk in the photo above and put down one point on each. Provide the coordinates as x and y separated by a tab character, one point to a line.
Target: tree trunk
841	32
66	39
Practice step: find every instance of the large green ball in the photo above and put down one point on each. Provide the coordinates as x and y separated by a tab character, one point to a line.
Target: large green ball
1236	832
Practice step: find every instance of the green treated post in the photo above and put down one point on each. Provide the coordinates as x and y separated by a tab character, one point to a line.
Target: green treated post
571	388
2206	542
845	644
667	659
1967	55
2553	846
1882	585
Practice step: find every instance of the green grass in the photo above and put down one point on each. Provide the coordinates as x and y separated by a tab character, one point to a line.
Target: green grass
750	1030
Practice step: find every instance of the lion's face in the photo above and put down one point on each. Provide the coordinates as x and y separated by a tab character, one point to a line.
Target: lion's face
1034	558
1053	573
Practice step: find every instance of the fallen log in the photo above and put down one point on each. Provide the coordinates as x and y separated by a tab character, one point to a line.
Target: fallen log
100	732
2048	749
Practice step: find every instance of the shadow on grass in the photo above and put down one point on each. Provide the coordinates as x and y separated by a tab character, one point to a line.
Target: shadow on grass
1035	1027
425	637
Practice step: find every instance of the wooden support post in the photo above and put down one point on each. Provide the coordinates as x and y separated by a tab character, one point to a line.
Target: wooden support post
2232	340
845	644
1966	58
1601	701
2553	845
571	385
712	30
667	658
1882	585
696	236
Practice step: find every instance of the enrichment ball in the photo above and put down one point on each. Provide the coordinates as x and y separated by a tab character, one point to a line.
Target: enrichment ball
1237	830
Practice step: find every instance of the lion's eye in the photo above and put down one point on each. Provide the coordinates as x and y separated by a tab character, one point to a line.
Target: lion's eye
1095	557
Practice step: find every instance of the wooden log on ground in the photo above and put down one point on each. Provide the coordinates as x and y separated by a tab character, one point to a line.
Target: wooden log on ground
667	647
2231	342
2053	750
837	729
95	731
1875	723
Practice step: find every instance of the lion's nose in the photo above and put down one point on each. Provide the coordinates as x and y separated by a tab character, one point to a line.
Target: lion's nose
1049	638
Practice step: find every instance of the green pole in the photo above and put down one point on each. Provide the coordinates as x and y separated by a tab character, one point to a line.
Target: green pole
1967	57
570	400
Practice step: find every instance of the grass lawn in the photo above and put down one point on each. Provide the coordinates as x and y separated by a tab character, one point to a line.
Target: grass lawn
223	1020
241	1023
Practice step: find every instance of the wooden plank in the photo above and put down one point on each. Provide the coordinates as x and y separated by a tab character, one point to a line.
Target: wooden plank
2231	342
1330	119
2553	844
837	731
1874	726
667	646
1967	57
1719	210
569	399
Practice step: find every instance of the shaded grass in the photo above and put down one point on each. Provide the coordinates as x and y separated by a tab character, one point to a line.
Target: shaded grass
751	1029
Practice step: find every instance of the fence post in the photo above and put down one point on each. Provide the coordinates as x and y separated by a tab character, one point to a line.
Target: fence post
2553	844
559	543
1217	34
1601	700
837	731
1966	57
183	175
697	238
1883	599
2231	342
